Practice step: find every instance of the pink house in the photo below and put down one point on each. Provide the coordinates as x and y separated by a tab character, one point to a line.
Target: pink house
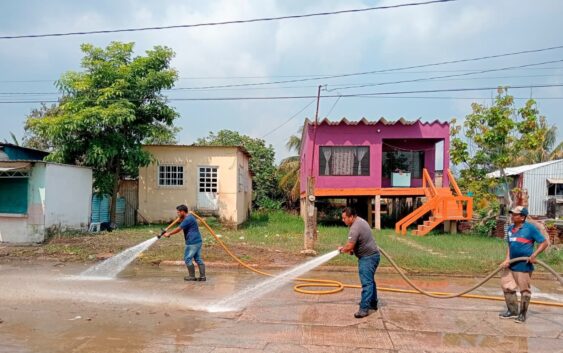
369	160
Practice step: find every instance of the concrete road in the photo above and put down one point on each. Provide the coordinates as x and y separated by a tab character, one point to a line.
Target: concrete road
44	307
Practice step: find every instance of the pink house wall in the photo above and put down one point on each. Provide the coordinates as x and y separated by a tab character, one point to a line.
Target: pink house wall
362	134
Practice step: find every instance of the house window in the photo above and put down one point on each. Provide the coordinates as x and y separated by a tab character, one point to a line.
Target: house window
208	179
345	161
404	161
170	175
555	189
13	194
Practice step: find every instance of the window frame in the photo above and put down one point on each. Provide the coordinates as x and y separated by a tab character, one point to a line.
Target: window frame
355	163
158	176
213	169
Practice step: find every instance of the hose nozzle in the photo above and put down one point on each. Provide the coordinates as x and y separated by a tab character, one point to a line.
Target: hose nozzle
161	233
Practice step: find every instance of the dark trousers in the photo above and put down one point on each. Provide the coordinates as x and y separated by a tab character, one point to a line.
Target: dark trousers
366	268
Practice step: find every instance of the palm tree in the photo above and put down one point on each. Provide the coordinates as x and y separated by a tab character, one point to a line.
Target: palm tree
547	149
289	171
14	139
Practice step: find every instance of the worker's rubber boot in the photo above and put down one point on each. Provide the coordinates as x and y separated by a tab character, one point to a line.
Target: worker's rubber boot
361	314
202	277
191	273
512	305
524	304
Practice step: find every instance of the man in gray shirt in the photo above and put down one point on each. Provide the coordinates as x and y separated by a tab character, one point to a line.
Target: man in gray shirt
362	244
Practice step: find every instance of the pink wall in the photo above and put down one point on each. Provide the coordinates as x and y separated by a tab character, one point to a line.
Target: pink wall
369	135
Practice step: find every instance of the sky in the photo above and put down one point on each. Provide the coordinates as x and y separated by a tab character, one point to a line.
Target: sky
295	49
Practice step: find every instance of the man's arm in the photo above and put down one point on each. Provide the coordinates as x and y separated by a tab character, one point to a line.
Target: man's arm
348	248
506	261
168	234
539	250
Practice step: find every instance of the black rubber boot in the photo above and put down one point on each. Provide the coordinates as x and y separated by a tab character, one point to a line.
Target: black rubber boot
512	305
524	303
191	273
374	305
361	314
202	277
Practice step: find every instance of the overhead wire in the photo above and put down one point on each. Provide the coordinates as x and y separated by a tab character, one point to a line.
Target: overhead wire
359	94
220	23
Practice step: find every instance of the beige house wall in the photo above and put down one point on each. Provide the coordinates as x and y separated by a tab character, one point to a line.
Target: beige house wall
158	203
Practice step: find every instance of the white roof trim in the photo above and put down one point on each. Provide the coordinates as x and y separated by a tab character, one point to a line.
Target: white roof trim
521	169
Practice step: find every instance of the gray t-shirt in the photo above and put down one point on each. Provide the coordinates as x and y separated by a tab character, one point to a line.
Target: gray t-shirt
360	233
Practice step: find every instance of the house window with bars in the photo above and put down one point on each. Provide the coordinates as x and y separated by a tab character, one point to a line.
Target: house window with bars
208	179
344	160
170	175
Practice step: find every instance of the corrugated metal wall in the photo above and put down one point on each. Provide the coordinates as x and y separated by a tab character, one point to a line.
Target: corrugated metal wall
535	181
129	192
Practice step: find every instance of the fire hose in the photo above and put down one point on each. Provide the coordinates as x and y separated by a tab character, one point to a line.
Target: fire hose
337	286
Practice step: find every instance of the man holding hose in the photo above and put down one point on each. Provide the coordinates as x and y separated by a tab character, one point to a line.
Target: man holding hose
516	277
362	244
192	236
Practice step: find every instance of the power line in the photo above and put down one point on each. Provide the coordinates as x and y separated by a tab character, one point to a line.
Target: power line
288	120
447	76
310	75
304	86
361	85
368	94
208	24
380	71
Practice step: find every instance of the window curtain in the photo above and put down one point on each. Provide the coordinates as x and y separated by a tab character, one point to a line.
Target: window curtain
342	161
327	152
361	154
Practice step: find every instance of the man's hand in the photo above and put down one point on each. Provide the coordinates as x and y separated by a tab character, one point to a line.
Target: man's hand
532	259
166	235
340	249
505	263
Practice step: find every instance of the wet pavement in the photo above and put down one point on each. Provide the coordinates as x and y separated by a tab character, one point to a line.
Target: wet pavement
45	308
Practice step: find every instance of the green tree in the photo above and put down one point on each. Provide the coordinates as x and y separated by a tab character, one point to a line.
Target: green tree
265	179
289	170
546	151
13	138
107	111
490	139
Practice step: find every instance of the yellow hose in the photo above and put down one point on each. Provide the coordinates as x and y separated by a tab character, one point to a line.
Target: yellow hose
339	286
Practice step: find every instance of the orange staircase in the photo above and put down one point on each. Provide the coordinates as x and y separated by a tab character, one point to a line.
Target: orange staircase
441	204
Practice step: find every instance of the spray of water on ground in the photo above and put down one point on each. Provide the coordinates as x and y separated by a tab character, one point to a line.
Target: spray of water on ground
111	267
241	299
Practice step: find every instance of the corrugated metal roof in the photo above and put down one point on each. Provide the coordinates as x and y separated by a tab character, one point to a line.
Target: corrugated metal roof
521	169
383	121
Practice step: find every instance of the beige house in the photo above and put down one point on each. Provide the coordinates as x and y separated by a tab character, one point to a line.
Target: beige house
208	179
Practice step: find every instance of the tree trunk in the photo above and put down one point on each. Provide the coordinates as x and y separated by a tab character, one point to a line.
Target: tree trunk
113	205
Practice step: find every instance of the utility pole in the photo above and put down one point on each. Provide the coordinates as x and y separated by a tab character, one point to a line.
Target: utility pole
310	234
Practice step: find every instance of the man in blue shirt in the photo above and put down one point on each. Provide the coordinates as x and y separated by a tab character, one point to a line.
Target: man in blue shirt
516	277
193	240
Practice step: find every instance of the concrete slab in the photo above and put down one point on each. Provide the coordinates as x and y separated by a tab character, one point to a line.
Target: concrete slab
44	308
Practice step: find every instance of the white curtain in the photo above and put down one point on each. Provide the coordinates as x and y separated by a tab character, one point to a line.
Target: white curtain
327	152
343	161
361	153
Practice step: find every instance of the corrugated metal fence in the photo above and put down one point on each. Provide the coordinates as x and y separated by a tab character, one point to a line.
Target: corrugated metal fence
126	207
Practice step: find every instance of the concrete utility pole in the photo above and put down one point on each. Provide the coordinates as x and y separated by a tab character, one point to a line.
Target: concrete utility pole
310	211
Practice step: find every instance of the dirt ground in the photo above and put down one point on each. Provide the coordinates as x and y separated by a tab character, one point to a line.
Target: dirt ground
45	307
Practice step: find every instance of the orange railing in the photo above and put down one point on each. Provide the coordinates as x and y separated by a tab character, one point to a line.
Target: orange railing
453	183
403	224
428	184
